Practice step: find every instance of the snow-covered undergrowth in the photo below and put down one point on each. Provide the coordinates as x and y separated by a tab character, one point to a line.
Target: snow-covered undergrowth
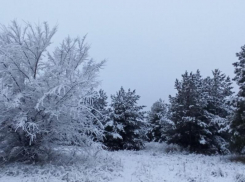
156	163
70	165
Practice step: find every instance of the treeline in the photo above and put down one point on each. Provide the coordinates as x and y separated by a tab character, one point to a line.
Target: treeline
49	99
204	116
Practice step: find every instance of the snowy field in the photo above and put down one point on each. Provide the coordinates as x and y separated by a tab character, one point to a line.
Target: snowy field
156	163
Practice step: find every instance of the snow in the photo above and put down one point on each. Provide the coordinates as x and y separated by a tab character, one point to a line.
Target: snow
202	140
116	135
153	164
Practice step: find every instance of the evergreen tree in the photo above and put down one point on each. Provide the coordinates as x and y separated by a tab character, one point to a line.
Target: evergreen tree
200	111
188	114
218	89
238	122
159	122
100	105
123	131
100	112
100	101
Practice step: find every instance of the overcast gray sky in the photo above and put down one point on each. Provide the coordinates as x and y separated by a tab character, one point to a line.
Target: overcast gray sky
147	43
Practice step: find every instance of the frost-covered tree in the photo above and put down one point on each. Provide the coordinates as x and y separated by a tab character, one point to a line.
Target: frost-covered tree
124	130
159	121
44	96
238	121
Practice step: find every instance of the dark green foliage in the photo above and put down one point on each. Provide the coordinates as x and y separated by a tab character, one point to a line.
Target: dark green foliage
218	88
100	111
200	113
16	147
100	102
159	122
187	112
238	122
124	130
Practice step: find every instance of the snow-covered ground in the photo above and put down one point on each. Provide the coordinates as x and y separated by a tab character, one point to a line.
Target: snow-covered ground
154	164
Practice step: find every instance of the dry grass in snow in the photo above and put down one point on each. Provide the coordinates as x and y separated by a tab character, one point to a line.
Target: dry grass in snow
156	163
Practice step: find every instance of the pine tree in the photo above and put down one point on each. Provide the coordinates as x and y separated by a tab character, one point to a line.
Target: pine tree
218	89
188	114
238	121
123	131
100	105
201	112
159	121
100	101
100	111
